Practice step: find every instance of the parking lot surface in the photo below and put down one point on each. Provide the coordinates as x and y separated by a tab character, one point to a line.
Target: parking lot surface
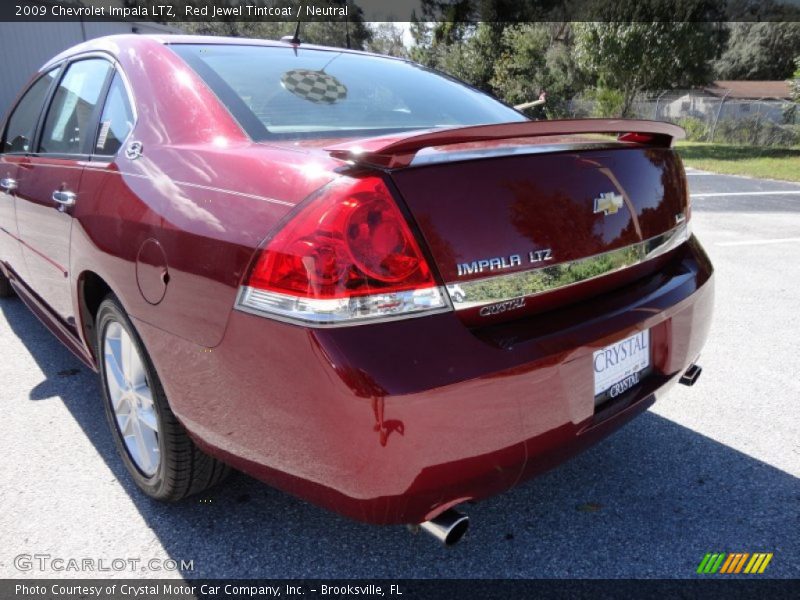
713	468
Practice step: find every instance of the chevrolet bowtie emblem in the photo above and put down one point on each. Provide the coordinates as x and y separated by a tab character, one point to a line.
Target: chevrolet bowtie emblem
608	203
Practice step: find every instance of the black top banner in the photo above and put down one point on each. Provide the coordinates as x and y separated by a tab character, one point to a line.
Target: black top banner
177	11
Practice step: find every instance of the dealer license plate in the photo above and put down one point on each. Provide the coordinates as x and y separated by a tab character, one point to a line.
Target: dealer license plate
621	366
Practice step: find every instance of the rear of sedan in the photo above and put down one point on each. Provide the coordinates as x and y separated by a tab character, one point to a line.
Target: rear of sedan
358	280
461	308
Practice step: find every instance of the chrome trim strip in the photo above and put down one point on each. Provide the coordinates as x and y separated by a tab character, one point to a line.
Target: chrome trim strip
343	312
430	156
526	284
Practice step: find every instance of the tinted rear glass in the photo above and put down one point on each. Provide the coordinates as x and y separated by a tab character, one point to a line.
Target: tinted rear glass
71	119
21	124
283	92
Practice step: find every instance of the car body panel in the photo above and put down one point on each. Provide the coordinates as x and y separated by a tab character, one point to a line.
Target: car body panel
396	422
44	228
188	219
10	250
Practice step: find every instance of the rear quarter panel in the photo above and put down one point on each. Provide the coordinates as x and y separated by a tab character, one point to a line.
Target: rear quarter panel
203	191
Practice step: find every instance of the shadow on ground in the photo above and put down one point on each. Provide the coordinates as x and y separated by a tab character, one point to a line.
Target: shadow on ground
648	502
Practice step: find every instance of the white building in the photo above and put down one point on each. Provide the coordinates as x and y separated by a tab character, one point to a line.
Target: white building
731	99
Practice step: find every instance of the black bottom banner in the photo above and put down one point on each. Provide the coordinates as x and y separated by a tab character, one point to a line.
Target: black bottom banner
401	589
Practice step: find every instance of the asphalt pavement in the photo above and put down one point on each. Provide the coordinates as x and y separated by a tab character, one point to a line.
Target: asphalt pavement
713	468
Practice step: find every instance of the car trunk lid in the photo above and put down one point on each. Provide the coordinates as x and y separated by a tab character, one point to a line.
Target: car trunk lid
524	217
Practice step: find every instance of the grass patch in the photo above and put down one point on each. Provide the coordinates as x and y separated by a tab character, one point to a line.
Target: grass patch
770	163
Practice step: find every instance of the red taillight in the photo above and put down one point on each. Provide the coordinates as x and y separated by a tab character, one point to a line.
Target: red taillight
349	243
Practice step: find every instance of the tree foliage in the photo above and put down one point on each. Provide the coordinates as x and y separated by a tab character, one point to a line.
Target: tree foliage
635	57
633	46
516	49
466	51
536	58
387	38
324	33
465	37
759	51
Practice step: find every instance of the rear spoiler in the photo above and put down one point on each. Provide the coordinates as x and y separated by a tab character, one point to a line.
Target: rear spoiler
398	150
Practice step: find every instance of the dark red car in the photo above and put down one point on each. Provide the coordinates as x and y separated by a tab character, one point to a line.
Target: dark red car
358	280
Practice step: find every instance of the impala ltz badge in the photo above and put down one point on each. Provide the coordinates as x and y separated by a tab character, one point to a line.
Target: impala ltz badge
500	263
608	203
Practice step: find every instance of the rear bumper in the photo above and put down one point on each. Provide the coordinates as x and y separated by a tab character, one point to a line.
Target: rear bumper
394	422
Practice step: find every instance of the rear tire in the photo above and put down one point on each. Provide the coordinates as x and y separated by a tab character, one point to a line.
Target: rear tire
155	448
6	291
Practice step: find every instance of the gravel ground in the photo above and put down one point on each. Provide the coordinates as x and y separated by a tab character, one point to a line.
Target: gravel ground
712	468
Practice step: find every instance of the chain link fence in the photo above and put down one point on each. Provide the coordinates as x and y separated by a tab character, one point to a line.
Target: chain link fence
718	117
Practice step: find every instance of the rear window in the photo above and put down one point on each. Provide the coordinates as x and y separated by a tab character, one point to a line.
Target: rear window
289	93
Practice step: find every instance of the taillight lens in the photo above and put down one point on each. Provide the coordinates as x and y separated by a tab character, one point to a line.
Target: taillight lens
346	257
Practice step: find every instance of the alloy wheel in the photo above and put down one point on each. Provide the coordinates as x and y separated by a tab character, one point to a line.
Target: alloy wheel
131	398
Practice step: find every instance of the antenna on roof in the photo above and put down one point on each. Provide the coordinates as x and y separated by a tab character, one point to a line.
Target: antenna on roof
294	39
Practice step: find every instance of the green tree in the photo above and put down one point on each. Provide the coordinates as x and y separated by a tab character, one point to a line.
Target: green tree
387	38
759	51
465	37
324	33
422	36
473	58
537	57
467	51
335	33
639	56
792	110
607	102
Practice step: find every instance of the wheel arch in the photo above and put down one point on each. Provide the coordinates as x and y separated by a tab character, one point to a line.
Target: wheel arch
92	288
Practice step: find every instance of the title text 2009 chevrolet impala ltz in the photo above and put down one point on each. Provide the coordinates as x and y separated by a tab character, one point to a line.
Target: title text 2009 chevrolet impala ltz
353	278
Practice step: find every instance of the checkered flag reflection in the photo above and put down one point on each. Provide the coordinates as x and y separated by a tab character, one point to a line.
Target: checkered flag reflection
314	86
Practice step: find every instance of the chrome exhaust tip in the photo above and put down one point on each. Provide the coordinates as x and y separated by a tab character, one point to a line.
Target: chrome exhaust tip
449	527
691	375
